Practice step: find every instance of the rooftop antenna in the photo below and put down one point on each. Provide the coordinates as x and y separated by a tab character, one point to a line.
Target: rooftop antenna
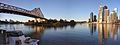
100	2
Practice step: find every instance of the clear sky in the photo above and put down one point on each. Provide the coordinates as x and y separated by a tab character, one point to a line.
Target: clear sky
60	9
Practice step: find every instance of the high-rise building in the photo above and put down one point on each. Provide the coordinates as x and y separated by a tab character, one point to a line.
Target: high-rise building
113	17
100	14
117	16
108	19
91	17
103	14
95	18
106	14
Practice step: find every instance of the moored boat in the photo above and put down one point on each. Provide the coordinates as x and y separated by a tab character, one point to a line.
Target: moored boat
18	38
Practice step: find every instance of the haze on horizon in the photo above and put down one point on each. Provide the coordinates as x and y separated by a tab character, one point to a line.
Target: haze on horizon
60	9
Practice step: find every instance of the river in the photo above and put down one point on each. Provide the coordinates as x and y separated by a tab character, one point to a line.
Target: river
79	34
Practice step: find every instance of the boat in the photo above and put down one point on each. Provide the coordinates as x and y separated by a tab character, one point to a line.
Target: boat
18	38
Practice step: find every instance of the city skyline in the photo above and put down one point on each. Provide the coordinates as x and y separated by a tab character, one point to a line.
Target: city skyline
61	9
106	16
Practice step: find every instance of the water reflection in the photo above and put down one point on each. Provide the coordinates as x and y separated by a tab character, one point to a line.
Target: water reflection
38	31
105	32
92	28
60	27
72	26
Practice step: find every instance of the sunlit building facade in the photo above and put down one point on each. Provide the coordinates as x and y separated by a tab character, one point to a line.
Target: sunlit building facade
100	14
113	17
105	17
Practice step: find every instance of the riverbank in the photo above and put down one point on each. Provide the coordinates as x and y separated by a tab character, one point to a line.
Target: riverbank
5	22
56	24
52	23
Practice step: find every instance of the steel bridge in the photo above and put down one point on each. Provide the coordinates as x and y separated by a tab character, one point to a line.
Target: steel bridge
35	13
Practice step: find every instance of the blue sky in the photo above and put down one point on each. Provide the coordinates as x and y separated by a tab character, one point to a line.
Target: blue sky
60	9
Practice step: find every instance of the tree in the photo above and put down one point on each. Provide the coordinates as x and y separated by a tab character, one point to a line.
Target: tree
61	20
33	21
28	20
54	21
72	21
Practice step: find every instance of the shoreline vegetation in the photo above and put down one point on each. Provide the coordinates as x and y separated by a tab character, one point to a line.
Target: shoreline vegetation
47	23
54	23
11	22
51	22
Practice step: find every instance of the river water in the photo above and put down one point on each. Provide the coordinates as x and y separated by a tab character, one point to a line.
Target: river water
79	34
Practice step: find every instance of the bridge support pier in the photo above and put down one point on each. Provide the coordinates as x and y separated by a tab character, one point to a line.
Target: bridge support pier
39	20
